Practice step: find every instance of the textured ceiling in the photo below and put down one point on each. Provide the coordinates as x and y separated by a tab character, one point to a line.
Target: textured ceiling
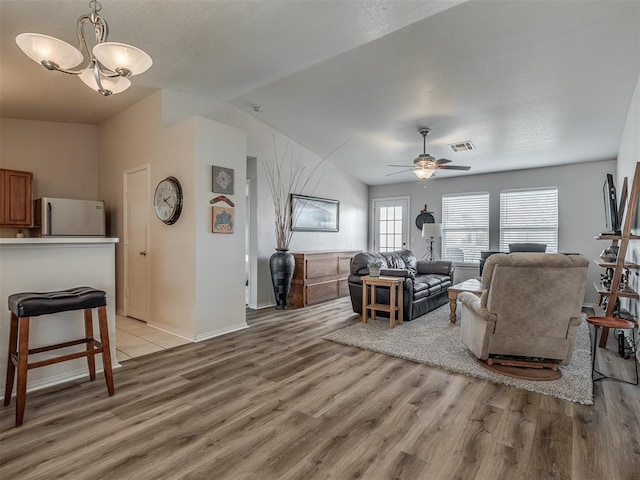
530	83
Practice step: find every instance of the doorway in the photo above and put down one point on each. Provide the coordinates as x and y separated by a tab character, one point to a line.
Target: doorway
391	224
136	264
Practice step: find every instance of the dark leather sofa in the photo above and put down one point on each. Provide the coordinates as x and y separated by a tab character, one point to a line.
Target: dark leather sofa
425	284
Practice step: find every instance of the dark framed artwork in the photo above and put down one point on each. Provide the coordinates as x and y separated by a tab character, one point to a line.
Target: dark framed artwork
222	179
313	214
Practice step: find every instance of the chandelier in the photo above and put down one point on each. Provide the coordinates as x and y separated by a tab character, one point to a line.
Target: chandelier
107	66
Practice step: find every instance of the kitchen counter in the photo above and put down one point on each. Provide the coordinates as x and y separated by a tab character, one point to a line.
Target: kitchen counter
48	264
56	240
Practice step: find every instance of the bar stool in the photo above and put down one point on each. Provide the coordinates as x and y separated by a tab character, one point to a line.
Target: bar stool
23	306
610	322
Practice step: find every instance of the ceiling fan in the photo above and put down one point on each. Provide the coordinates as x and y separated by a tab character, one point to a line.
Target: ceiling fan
425	165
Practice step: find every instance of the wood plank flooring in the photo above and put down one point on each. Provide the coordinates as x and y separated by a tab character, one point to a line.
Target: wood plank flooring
275	401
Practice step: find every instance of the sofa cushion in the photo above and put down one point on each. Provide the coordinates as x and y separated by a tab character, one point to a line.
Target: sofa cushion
420	290
360	262
394	260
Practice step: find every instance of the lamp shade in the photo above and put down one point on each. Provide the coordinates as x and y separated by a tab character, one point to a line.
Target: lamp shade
113	84
117	56
41	48
423	173
431	230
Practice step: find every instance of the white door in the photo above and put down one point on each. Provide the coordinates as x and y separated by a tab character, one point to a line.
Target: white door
391	224
136	215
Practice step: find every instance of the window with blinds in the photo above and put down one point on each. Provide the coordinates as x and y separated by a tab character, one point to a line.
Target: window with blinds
465	226
529	216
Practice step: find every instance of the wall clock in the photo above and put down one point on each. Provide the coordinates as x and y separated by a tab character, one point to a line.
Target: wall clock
167	200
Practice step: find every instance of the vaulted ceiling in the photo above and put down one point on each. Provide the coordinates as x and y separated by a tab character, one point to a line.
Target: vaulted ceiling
530	83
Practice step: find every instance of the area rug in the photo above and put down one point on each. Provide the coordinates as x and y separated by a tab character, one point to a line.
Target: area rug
434	341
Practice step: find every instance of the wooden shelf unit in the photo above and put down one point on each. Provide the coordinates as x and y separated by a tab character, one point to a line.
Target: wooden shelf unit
319	276
622	242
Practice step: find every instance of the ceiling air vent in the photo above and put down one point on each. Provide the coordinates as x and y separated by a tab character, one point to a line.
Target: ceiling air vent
462	146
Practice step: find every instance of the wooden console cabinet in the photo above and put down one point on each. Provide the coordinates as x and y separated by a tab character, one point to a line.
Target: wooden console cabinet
319	276
15	198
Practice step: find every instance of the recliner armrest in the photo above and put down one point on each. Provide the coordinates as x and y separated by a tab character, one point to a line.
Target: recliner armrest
473	303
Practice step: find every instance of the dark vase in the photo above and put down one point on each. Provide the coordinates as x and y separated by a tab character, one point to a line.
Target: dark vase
282	265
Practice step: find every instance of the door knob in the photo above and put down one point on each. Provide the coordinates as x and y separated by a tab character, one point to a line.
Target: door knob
143	253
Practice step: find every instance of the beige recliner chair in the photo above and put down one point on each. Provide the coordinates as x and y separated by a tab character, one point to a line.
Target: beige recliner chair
531	306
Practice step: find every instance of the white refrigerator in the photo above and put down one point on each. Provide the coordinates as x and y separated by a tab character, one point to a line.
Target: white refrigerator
65	217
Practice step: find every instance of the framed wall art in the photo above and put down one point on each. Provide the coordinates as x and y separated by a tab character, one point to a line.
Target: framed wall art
313	214
222	219
222	179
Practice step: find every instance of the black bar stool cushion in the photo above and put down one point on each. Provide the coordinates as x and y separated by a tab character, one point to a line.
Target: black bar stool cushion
33	304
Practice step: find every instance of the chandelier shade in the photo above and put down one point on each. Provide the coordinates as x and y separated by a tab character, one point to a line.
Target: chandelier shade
43	48
122	57
112	84
103	68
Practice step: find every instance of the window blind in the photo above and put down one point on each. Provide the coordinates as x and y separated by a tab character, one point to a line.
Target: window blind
465	226
529	216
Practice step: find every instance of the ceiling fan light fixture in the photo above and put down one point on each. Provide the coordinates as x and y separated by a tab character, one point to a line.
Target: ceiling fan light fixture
103	68
423	173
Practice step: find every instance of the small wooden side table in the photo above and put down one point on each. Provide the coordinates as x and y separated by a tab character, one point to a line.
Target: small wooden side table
610	322
394	284
471	285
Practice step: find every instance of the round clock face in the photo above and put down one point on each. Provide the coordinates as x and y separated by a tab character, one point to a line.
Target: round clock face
168	200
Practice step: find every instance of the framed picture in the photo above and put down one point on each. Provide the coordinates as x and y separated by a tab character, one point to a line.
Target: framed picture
222	219
313	214
222	179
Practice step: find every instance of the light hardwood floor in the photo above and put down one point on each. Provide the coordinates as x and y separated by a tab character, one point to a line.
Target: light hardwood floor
275	401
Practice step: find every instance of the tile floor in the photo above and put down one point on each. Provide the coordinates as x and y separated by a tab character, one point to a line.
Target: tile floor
135	338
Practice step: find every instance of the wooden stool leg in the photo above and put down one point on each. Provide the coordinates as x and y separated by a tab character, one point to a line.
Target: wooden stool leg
23	357
88	334
106	348
11	368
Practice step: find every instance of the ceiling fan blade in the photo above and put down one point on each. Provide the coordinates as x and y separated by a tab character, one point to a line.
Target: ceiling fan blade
403	166
454	167
399	171
442	161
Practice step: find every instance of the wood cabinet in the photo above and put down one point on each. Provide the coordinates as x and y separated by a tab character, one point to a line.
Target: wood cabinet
622	242
16	198
319	276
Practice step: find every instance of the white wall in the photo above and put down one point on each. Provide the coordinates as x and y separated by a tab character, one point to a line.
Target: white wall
581	213
628	156
196	281
335	184
62	156
220	272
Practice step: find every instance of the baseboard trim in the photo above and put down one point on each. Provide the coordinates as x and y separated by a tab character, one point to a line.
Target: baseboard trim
221	331
62	378
172	331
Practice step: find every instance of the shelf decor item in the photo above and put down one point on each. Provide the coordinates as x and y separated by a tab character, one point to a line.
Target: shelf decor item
609	254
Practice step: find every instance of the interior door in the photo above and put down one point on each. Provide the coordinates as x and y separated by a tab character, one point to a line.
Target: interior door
136	216
391	225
